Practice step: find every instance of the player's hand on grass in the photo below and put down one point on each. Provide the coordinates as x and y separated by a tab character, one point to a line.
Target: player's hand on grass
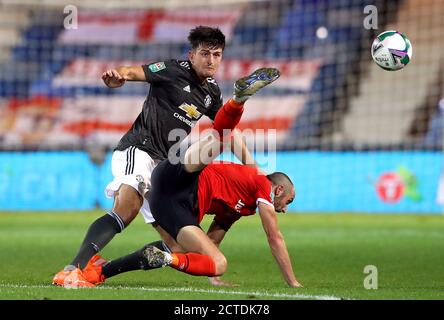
296	284
113	79
217	281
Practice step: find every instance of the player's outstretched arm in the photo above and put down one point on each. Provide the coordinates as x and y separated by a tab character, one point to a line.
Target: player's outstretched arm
277	243
114	78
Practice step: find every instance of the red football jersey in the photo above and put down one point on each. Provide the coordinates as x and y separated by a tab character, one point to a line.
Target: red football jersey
236	186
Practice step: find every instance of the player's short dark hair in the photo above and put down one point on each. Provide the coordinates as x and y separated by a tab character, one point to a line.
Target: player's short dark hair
208	36
280	178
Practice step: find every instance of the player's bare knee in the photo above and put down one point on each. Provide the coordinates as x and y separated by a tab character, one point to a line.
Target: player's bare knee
221	264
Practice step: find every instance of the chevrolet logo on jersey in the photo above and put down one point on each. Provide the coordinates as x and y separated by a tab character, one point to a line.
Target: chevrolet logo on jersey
191	110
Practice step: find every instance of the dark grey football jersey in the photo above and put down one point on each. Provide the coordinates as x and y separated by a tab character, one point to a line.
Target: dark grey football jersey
176	100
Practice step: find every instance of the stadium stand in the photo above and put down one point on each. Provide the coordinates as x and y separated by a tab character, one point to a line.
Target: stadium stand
333	94
11	23
434	134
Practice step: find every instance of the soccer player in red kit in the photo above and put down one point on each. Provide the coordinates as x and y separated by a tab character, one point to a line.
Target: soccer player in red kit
226	188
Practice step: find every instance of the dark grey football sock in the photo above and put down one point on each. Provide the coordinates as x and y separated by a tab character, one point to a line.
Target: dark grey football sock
130	262
99	234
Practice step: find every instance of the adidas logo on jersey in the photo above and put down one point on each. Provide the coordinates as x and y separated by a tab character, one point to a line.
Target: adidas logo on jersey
187	88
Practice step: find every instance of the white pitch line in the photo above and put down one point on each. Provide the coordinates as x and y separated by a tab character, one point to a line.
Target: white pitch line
222	292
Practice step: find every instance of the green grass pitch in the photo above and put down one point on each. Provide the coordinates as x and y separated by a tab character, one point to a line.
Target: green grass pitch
329	254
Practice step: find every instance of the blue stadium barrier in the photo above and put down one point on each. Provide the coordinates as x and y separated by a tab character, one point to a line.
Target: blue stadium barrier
105	177
324	181
47	181
346	181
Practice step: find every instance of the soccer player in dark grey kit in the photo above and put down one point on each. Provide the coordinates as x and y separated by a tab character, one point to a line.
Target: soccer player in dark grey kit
181	93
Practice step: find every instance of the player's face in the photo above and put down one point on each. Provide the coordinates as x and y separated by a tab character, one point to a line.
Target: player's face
281	202
205	60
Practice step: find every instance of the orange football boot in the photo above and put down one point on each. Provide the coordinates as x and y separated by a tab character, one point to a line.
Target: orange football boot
59	278
93	270
75	279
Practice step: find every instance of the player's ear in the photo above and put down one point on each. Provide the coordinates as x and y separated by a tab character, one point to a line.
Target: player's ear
279	192
191	55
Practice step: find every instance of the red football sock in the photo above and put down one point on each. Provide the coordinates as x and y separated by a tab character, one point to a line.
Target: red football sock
194	263
228	116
